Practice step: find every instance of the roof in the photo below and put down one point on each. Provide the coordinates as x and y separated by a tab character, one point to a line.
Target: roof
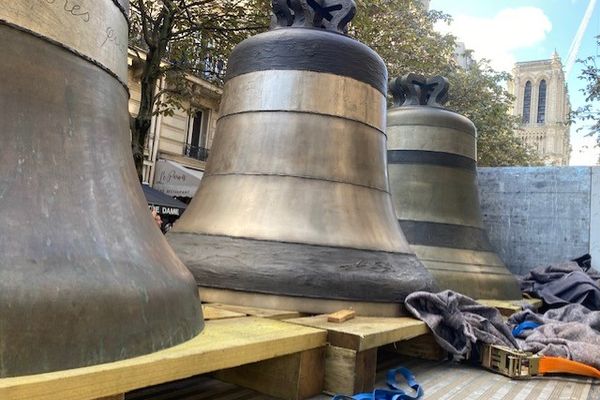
154	197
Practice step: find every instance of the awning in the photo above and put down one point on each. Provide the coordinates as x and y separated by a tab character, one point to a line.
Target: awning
162	203
176	180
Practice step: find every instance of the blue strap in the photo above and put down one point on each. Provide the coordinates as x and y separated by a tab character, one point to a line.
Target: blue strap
394	393
524	326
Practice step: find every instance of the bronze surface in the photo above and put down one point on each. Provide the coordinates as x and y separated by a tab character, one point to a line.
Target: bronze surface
93	28
437	194
293	209
302	145
85	275
307	92
295	198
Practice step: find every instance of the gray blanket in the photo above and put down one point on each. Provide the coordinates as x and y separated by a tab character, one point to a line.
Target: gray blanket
458	322
572	332
562	284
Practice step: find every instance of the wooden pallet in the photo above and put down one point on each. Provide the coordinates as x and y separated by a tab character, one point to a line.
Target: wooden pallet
509	307
224	344
254	311
351	353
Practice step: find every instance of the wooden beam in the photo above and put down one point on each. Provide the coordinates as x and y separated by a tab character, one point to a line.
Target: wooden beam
211	313
424	347
294	377
363	333
349	371
223	344
257	311
509	307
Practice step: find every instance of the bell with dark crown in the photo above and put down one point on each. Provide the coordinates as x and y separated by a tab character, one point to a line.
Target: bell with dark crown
85	275
432	155
294	210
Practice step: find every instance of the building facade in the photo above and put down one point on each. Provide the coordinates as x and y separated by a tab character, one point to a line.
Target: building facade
178	145
542	104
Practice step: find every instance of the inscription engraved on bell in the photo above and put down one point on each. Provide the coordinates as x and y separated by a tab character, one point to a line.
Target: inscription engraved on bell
432	155
85	276
294	210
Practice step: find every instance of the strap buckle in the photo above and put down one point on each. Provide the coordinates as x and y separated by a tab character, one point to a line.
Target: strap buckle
515	364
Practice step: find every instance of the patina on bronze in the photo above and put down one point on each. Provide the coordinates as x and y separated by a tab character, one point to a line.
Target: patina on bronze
85	275
294	209
432	155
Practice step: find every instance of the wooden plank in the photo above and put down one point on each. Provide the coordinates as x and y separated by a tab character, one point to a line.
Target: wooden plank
424	347
211	313
349	371
258	312
509	307
293	377
223	344
341	316
363	333
116	397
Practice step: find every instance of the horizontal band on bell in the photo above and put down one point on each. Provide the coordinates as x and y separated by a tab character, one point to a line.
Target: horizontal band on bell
305	91
476	281
296	269
94	29
431	138
296	210
307	145
432	158
458	256
430	117
123	6
433	193
445	235
304	49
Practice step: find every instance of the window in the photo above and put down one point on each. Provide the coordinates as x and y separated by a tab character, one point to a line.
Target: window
541	111
196	136
527	103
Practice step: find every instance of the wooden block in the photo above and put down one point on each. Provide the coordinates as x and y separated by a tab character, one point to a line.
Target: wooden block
258	312
424	347
219	313
223	344
509	307
292	377
363	333
341	316
349	371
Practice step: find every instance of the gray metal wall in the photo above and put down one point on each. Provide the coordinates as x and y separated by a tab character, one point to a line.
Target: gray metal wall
537	216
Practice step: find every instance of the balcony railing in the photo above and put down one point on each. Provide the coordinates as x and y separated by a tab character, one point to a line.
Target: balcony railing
199	153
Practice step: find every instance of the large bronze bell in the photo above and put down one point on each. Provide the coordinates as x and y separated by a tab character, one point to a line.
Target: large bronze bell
85	275
432	166
294	210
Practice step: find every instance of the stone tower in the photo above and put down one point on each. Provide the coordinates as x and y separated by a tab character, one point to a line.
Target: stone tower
542	103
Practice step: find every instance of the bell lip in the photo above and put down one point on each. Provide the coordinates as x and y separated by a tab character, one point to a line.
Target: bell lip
293	269
430	116
308	49
129	336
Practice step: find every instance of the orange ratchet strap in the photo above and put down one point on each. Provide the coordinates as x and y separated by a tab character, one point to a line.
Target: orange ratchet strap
551	365
518	364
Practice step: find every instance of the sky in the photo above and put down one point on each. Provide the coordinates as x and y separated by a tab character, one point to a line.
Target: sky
509	31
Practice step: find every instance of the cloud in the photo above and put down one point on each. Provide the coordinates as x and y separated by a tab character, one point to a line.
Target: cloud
497	37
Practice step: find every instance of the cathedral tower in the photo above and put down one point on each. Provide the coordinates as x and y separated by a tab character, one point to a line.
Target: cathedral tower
542	103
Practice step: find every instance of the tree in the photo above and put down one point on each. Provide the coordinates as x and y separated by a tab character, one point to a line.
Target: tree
590	113
478	93
173	38
402	32
186	36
